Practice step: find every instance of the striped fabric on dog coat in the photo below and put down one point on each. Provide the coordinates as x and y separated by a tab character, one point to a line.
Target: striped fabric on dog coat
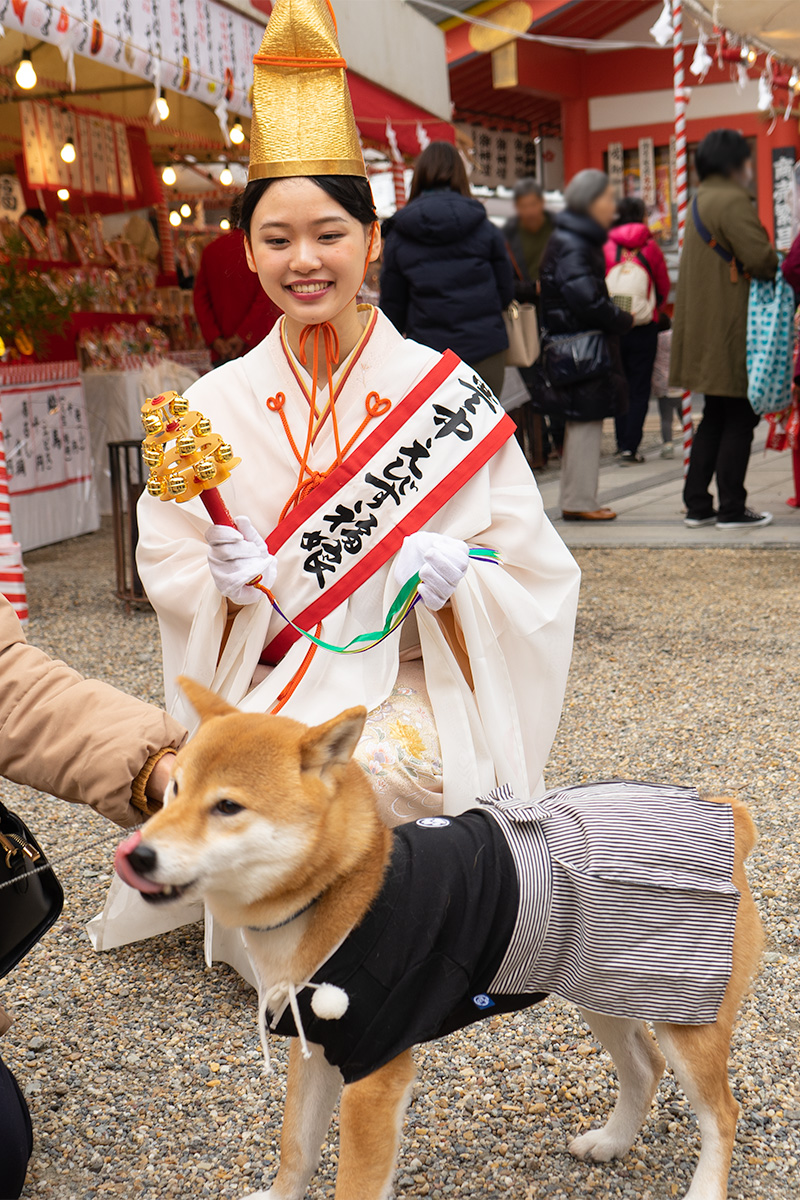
616	896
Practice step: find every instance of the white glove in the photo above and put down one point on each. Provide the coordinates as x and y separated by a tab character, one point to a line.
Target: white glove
441	561
235	557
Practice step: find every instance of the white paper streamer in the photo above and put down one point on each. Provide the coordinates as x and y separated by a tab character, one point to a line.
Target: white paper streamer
702	61
765	98
391	138
221	113
662	32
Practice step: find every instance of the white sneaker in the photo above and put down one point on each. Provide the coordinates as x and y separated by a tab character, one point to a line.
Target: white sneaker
668	450
748	520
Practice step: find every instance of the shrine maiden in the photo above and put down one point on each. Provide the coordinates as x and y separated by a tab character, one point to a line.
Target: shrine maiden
365	459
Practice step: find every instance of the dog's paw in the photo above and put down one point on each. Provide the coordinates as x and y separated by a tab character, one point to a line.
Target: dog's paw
596	1146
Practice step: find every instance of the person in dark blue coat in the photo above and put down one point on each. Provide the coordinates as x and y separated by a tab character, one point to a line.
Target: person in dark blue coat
446	274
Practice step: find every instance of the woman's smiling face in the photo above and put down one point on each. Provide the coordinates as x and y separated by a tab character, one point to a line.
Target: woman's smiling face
308	252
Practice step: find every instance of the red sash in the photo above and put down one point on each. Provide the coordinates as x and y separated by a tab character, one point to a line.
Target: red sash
422	452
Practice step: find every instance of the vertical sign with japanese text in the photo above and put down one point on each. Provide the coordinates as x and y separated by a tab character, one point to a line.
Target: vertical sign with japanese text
616	168
647	172
783	197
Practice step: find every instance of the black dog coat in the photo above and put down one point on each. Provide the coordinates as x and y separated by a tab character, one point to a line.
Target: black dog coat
616	896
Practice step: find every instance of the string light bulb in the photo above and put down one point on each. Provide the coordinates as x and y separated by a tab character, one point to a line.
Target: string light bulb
186	210
175	218
237	133
68	151
225	223
26	74
168	175
750	55
162	106
226	176
63	193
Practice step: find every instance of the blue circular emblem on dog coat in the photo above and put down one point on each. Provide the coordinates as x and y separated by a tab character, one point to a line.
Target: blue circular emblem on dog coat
433	822
483	1001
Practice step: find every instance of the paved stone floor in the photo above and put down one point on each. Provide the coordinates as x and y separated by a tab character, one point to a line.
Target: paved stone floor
143	1069
648	499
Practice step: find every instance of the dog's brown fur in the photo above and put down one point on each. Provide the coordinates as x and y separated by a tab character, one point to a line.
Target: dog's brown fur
303	785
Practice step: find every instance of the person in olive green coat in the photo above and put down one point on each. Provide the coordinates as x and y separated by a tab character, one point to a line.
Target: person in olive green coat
709	335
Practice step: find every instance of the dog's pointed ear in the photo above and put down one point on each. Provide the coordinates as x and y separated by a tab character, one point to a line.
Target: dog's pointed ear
207	704
324	746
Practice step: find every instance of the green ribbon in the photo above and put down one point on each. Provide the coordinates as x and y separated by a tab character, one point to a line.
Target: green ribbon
403	603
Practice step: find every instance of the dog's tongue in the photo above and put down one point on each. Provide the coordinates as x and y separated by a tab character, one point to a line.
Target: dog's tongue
124	869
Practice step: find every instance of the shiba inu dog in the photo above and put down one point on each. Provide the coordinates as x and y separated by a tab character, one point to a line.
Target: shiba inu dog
367	941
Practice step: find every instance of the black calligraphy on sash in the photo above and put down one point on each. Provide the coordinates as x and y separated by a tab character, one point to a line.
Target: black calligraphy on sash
348	528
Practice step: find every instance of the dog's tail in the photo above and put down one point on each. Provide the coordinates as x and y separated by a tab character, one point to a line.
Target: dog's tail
744	826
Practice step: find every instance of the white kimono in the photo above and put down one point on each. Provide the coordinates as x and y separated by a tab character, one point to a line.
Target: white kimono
495	716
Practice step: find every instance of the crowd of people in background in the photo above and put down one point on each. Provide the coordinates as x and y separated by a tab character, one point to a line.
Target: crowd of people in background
598	279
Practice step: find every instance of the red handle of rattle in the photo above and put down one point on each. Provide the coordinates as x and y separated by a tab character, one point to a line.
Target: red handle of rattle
216	508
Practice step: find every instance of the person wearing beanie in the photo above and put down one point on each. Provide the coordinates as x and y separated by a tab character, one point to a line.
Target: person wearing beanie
581	377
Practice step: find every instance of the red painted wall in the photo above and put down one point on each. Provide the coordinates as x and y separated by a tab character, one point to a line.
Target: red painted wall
751	125
574	76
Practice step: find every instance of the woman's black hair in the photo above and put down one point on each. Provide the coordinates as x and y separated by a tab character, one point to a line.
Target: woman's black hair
630	211
721	152
352	192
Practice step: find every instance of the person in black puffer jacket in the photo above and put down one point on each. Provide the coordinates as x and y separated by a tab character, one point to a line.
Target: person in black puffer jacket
574	299
446	274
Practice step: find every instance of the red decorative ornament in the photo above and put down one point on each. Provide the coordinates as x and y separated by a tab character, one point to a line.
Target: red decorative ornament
63	21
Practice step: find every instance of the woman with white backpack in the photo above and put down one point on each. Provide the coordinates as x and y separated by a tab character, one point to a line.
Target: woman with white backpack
638	281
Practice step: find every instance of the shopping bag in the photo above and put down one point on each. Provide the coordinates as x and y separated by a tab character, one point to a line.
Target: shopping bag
770	314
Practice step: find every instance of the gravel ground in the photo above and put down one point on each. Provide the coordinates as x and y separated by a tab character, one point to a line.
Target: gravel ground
143	1070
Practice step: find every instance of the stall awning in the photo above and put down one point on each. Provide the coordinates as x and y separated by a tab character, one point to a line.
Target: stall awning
374	105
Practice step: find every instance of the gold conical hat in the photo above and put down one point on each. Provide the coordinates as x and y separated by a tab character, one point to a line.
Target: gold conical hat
303	121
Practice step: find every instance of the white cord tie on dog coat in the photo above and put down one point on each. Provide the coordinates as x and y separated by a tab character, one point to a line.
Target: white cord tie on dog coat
329	1003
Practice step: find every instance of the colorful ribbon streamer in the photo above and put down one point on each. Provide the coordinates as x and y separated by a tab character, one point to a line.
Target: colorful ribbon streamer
403	603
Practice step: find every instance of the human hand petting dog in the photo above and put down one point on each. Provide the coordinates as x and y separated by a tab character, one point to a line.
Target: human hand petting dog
442	563
236	557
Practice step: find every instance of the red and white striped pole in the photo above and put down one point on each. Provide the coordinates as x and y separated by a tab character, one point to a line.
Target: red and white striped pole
12	572
681	188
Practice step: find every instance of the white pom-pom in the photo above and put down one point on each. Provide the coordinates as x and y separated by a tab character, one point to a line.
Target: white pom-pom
329	1002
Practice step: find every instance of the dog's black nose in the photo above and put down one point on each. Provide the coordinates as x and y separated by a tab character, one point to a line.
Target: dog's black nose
143	858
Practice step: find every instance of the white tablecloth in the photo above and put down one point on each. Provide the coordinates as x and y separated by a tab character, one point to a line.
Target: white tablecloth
113	404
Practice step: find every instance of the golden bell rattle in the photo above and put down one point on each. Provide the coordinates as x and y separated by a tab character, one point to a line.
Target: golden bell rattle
197	463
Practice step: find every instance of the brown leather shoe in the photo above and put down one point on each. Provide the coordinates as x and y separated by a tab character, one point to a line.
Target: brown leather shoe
600	514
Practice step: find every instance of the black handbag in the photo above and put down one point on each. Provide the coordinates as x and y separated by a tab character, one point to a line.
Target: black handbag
570	358
32	900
